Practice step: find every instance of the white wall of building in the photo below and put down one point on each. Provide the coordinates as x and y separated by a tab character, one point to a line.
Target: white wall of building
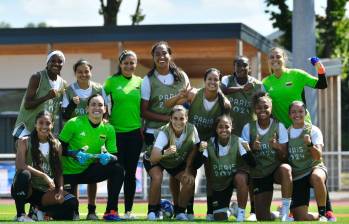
16	69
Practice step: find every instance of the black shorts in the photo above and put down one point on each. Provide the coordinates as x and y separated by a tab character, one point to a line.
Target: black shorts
301	192
36	197
149	139
263	184
173	171
147	165
221	199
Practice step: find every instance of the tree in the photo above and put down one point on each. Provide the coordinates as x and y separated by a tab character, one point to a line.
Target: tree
4	25
137	17
282	20
39	25
110	12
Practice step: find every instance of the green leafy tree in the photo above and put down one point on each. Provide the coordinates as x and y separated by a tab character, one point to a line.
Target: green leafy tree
4	25
137	17
39	25
281	20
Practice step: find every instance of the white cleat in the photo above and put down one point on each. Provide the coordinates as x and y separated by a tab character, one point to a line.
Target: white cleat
233	209
24	218
129	216
323	219
151	216
191	217
252	218
182	217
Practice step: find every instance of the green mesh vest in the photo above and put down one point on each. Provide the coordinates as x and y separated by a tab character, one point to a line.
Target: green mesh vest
299	155
241	104
159	94
266	158
36	181
223	167
81	107
27	117
201	118
180	156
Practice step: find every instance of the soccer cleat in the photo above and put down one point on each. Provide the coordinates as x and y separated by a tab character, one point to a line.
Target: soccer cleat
112	216
128	215
252	218
286	218
151	216
159	215
24	218
91	216
191	217
209	217
330	216
240	216
323	219
181	216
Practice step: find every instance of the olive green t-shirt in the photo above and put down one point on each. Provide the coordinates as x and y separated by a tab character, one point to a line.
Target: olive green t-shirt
126	102
286	89
78	133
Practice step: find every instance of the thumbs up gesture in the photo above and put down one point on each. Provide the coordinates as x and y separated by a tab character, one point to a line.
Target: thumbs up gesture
307	140
257	143
274	141
203	146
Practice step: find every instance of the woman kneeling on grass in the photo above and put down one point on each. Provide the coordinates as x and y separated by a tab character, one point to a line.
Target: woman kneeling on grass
224	152
173	150
38	178
308	170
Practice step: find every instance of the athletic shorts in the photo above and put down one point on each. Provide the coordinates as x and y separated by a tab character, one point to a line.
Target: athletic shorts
301	191
147	165
221	199
172	171
36	197
263	184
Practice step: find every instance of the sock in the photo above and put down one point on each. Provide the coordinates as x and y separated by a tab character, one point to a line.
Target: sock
322	210
190	206
91	209
152	208
252	207
209	205
242	211
179	210
328	203
285	206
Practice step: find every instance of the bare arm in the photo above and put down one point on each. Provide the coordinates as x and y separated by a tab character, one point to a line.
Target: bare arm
30	102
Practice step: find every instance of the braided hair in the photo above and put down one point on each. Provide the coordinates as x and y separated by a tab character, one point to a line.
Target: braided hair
215	136
124	54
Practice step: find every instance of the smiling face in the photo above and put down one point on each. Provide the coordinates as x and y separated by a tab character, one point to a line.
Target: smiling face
212	81
43	126
241	67
96	108
178	121
224	128
161	57
83	73
128	65
276	59
54	65
297	114
263	108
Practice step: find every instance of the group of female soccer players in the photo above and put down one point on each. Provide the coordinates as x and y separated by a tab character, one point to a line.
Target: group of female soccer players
231	126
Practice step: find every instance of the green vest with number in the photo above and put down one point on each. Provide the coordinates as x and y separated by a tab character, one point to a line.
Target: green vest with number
26	117
241	103
159	94
299	155
223	168
38	182
180	156
81	107
201	118
266	158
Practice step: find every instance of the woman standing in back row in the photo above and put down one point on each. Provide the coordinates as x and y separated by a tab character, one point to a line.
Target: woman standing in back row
162	82
124	88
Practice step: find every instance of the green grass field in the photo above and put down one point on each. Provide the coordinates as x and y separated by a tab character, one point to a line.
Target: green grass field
7	213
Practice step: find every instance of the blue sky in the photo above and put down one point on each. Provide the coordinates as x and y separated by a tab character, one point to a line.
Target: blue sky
85	12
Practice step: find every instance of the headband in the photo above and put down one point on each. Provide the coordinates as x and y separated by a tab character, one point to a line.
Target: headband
56	52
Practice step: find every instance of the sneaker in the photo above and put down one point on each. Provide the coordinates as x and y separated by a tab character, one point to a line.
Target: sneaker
252	218
129	215
330	216
181	216
275	214
112	216
76	217
190	217
159	215
24	218
151	216
91	216
240	216
286	218
233	209
209	217
323	219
